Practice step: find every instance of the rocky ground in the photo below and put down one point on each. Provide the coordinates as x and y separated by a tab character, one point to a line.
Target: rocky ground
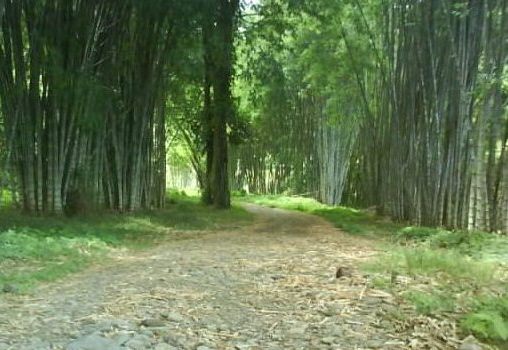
270	285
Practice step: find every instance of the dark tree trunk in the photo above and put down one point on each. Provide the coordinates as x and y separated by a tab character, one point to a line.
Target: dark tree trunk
206	196
219	108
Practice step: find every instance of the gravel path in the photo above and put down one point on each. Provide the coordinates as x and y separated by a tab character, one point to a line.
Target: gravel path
269	285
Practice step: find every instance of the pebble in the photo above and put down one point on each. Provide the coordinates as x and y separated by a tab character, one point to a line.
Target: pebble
163	346
470	346
278	277
139	342
212	327
10	288
121	338
330	311
203	347
336	332
106	326
298	330
375	344
153	322
93	342
328	340
37	345
180	342
171	340
175	317
223	327
343	271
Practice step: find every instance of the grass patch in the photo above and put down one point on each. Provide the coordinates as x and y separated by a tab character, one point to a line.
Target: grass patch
381	282
415	234
284	202
448	281
431	304
440	264
357	222
476	244
489	318
36	249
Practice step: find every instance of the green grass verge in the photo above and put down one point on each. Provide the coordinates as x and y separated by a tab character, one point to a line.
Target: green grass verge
39	249
440	264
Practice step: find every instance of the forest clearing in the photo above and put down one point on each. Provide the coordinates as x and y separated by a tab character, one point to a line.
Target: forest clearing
253	174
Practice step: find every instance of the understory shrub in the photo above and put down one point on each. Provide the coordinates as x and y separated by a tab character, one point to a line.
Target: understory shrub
489	318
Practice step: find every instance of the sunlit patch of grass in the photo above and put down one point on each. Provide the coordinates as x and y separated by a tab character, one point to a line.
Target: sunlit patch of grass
415	234
489	318
437	263
381	282
477	244
446	281
28	255
358	222
431	303
284	202
37	248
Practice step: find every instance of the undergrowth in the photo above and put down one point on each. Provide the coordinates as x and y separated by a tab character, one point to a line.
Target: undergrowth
444	265
489	318
431	304
474	243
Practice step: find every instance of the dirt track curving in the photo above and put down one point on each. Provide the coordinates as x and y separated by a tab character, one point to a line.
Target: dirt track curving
269	285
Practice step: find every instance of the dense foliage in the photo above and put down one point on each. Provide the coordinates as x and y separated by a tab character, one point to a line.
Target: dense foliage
394	104
84	89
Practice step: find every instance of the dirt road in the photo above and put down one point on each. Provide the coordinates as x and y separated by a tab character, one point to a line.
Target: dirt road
269	285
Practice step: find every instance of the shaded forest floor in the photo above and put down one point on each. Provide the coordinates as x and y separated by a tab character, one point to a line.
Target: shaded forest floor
267	284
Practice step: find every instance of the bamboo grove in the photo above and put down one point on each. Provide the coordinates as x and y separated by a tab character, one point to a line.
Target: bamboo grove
398	105
84	89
